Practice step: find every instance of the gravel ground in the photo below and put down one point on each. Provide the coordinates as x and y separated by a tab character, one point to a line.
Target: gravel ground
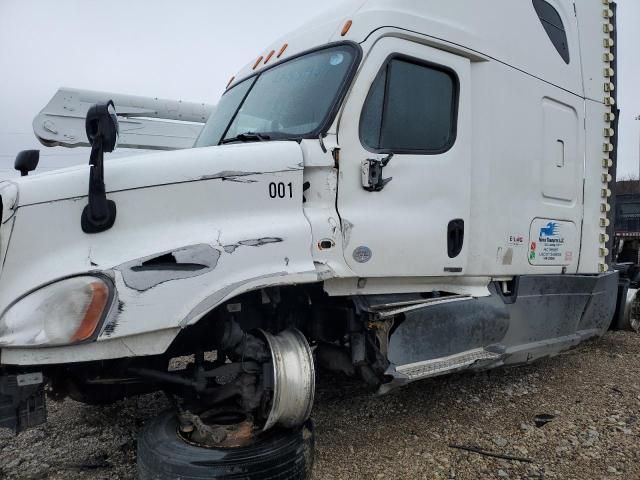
592	392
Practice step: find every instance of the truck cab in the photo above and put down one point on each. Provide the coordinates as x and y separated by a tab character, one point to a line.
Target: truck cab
398	190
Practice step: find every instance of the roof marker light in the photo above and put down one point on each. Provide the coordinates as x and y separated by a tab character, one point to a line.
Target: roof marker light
284	47
255	65
231	81
346	27
266	60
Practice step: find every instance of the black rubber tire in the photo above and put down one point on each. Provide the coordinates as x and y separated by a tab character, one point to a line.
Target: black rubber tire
628	320
277	454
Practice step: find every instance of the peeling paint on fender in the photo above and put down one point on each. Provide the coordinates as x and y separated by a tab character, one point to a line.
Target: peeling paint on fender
148	272
257	242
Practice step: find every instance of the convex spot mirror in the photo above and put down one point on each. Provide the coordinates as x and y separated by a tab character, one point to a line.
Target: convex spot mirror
27	161
102	124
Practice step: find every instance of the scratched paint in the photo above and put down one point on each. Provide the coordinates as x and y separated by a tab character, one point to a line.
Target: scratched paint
232	176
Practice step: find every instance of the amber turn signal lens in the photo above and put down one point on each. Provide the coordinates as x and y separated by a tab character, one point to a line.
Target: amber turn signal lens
93	314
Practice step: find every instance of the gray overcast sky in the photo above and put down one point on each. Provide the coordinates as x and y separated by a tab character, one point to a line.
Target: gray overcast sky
184	50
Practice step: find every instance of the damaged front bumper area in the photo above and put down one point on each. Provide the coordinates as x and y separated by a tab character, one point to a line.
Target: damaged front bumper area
22	401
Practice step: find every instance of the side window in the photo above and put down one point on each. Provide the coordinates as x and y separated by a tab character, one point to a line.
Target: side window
554	27
411	107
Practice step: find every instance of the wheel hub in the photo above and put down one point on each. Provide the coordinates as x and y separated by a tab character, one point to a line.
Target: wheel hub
218	429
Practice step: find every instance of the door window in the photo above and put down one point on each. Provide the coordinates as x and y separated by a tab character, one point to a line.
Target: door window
411	108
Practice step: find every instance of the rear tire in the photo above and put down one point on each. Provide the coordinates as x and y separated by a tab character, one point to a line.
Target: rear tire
282	454
630	321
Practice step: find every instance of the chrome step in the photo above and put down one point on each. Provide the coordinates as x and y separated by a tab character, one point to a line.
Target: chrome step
440	366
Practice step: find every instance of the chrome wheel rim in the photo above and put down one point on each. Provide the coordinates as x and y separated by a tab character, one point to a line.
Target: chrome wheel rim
294	379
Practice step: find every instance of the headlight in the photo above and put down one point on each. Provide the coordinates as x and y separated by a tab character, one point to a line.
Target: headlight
62	313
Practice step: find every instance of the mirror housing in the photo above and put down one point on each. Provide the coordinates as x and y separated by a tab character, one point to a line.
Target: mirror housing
27	161
102	124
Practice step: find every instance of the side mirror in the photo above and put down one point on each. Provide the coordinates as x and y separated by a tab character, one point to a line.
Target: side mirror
102	131
102	126
27	161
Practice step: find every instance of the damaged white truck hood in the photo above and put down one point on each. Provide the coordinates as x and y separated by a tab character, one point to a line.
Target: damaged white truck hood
197	226
143	171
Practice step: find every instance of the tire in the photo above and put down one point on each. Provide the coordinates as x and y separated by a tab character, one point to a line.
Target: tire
630	321
276	454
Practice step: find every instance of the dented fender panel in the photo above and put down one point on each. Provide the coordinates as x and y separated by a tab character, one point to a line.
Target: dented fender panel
180	245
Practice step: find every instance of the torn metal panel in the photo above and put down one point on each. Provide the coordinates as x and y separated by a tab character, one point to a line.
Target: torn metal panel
256	242
186	262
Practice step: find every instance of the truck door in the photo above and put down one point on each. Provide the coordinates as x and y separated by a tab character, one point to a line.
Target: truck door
409	103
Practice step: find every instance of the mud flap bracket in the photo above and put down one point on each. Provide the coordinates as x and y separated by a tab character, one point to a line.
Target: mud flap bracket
22	401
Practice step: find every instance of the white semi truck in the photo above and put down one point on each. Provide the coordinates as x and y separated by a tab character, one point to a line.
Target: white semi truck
398	190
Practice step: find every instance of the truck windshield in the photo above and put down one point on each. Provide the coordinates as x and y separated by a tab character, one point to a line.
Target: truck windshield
292	100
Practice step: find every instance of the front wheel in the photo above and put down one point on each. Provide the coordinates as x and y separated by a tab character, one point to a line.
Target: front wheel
283	454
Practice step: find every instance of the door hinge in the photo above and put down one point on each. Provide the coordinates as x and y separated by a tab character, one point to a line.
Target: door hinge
372	168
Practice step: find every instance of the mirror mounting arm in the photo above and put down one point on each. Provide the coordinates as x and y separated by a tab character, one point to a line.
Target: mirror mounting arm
102	129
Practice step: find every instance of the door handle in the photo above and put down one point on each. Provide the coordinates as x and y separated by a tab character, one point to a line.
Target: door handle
371	168
455	237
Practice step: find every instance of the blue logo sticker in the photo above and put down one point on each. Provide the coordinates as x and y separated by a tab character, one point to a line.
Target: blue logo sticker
551	230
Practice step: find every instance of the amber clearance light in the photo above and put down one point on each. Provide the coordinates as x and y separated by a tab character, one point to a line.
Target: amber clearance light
255	65
346	28
284	47
266	60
